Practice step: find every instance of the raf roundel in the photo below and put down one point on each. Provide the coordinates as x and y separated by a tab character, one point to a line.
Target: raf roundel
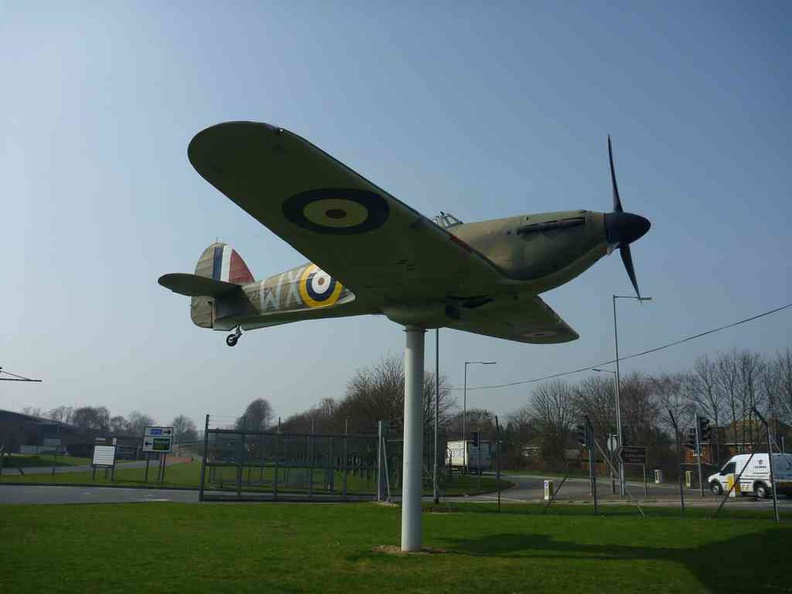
317	288
340	211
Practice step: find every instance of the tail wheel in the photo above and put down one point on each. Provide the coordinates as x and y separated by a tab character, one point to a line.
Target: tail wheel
232	339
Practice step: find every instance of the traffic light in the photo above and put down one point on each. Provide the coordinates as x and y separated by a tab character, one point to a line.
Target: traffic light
582	435
705	431
690	442
474	438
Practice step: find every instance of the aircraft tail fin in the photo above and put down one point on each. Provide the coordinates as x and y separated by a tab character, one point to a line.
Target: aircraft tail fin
222	263
219	272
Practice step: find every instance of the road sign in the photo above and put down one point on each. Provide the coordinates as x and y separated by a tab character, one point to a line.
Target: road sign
632	454
613	442
104	455
158	432
158	439
161	445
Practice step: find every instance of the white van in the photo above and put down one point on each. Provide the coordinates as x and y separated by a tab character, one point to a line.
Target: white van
756	478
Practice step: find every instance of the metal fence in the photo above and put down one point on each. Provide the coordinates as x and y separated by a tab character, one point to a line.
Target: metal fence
265	465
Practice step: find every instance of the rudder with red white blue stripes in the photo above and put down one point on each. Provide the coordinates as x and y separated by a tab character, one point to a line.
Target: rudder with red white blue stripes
221	262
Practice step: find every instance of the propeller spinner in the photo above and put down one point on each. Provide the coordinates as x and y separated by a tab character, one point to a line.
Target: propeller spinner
622	228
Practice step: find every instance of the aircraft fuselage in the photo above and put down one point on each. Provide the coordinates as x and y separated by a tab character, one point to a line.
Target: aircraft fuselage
534	253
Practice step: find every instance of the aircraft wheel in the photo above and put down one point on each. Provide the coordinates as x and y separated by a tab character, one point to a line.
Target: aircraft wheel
232	339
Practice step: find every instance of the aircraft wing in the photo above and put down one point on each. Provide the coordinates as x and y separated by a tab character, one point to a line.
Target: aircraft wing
376	245
530	320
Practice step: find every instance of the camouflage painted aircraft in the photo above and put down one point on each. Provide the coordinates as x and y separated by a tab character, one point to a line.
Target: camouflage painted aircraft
372	254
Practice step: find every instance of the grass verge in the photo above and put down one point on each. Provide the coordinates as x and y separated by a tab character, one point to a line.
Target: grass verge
343	548
188	475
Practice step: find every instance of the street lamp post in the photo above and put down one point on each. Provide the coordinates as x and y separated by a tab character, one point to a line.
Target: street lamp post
464	409
618	381
611	453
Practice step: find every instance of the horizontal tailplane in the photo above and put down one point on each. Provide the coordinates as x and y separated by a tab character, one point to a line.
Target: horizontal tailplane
194	285
216	286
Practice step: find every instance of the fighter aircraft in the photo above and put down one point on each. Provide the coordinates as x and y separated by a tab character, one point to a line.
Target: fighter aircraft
370	253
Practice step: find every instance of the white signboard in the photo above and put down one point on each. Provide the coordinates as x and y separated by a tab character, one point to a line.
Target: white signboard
158	440
104	455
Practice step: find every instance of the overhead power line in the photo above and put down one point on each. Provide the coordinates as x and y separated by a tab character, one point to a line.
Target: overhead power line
14	377
633	356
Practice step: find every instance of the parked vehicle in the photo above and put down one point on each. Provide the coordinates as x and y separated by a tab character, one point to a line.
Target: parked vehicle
755	478
477	459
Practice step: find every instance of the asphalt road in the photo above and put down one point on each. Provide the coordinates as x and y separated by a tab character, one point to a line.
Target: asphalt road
61	469
528	488
31	494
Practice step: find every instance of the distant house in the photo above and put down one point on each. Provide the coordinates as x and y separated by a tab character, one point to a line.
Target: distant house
18	430
740	437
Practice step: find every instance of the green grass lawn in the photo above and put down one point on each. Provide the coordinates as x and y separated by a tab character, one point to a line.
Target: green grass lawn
189	475
25	461
159	547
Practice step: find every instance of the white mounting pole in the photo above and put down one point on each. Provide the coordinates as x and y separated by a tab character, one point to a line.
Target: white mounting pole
413	439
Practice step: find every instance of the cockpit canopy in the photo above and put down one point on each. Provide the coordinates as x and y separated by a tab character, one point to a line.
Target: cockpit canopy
446	220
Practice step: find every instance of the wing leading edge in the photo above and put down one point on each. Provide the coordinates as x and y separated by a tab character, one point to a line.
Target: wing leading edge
383	250
357	232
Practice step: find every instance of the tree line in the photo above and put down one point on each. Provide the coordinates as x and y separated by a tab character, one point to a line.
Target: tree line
724	387
97	419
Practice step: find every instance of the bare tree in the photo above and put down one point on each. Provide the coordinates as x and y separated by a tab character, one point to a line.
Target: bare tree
91	418
552	407
671	393
477	419
119	424
377	393
61	414
33	411
777	386
257	416
516	435
322	418
595	397
702	385
138	422
640	410
751	367
783	365
727	380
184	430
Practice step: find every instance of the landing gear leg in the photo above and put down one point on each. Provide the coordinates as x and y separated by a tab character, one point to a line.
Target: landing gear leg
233	338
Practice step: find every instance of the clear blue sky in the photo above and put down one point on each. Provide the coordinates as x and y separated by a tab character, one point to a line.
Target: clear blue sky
483	110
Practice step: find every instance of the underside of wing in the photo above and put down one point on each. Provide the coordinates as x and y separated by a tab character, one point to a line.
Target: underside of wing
376	245
520	318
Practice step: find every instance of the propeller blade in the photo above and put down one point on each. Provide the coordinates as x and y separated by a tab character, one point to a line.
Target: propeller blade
617	206
626	257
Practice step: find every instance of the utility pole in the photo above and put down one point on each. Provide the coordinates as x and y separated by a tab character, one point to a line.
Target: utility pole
436	414
698	453
590	439
679	456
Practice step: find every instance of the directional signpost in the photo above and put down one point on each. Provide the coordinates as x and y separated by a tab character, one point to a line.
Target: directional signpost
632	454
158	440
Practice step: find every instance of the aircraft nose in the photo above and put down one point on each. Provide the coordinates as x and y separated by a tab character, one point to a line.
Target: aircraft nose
622	228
